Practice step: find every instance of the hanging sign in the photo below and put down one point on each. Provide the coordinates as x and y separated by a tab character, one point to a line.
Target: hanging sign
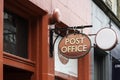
106	39
74	45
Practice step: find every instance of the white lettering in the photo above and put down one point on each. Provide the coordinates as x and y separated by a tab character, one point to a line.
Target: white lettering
74	48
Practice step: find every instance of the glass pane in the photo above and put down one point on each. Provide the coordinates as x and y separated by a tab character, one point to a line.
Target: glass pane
15	35
12	73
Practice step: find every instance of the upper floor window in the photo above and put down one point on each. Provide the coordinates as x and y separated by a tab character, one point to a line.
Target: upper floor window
112	4
15	35
118	9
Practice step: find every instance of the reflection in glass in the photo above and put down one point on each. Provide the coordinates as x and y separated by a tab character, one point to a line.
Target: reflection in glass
15	35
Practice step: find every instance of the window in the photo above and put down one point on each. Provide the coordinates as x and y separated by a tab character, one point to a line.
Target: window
108	3
58	78
12	73
114	12
113	5
15	35
115	69
23	37
118	9
101	65
115	62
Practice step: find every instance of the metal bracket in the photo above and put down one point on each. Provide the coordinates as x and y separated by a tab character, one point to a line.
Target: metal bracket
51	31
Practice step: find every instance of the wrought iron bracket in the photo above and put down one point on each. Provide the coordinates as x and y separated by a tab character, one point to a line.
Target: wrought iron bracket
52	31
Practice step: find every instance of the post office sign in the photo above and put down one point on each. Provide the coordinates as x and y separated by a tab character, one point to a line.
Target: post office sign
75	45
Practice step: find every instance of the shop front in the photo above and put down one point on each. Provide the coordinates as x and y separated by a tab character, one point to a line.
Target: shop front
24	34
24	40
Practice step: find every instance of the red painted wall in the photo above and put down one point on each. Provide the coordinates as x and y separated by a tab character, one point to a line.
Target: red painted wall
1	41
73	13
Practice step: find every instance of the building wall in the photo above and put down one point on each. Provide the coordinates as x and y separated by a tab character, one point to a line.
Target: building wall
101	20
73	12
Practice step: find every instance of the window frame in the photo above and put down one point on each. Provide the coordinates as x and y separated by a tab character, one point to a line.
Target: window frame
102	65
112	5
32	17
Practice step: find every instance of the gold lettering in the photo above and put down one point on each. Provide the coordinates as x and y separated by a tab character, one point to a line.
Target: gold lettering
84	47
82	39
66	41
77	40
72	41
79	48
64	49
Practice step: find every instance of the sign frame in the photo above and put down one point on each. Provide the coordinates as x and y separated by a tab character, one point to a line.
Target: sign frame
113	45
